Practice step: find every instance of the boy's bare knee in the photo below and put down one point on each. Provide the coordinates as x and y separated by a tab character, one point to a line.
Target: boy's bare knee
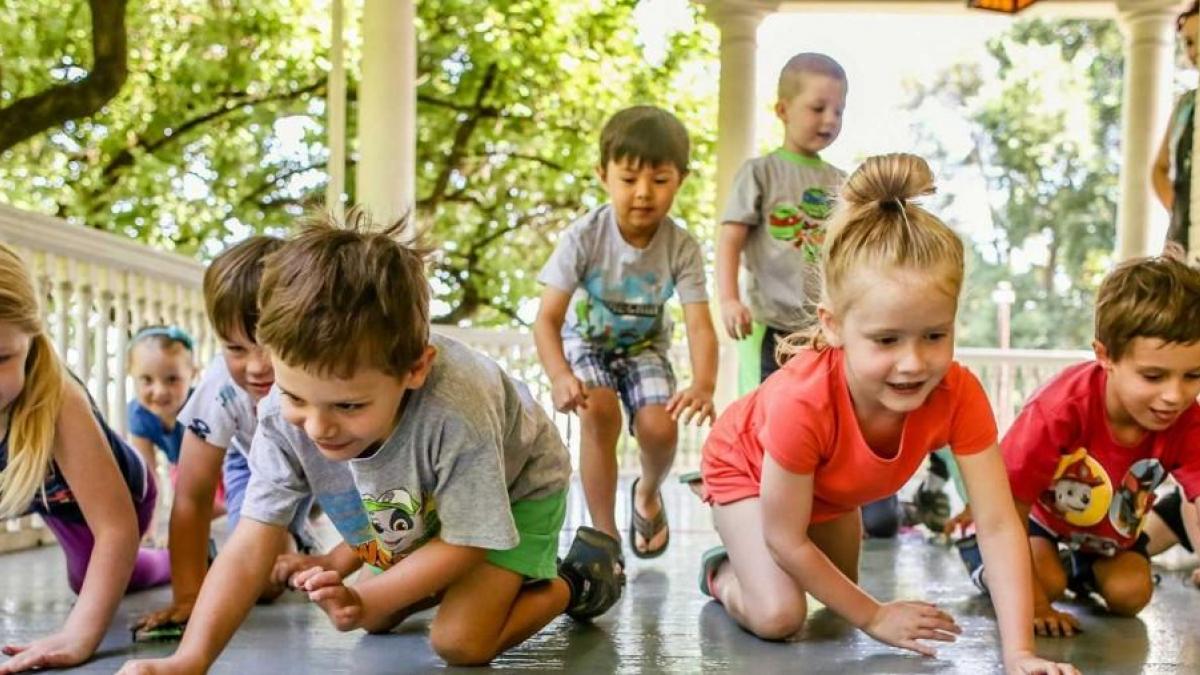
603	410
457	648
1126	595
655	430
776	621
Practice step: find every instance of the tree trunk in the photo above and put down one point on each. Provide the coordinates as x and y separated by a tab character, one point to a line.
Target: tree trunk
57	105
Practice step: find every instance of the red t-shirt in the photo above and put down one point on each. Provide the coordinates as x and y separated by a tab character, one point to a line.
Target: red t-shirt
804	417
1082	484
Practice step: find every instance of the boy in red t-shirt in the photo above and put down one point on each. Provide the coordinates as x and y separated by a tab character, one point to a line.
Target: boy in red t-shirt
1087	452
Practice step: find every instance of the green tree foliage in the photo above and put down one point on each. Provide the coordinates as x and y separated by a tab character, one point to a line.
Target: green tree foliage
1043	125
218	130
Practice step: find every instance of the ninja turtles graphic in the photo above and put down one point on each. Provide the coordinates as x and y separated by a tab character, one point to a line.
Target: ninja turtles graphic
804	224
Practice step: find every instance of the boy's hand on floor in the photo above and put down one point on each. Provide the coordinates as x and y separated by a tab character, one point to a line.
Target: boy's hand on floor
902	623
289	565
168	666
1196	577
342	604
1029	664
53	651
1053	623
736	318
568	393
177	612
692	403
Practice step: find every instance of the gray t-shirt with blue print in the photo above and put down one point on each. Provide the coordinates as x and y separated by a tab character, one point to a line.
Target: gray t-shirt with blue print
619	291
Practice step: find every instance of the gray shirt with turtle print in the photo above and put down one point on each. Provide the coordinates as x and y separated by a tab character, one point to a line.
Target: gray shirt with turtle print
785	199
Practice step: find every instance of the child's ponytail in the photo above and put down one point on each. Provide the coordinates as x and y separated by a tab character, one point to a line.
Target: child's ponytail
33	415
878	226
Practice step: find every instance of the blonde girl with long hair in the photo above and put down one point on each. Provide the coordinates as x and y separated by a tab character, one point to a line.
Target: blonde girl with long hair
59	459
859	403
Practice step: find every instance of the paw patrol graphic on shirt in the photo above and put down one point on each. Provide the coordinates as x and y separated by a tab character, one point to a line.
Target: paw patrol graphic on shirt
1135	496
1080	492
401	523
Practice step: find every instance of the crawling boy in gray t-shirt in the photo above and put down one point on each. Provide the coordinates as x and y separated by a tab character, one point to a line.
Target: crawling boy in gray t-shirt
436	467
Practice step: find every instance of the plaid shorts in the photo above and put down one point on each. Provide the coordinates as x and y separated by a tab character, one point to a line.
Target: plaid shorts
640	379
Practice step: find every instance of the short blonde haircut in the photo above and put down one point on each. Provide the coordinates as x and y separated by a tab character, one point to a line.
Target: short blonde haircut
1148	298
231	286
342	296
791	77
33	415
877	227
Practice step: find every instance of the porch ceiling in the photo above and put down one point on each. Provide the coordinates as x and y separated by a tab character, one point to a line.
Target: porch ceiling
1059	8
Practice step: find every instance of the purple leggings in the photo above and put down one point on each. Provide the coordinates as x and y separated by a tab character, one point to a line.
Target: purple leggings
153	566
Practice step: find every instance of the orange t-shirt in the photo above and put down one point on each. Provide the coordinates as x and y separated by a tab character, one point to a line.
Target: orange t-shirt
804	417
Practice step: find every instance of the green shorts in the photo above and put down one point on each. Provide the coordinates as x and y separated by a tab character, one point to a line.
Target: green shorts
539	522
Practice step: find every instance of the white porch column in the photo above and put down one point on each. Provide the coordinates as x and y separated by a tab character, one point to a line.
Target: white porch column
1148	26
335	101
738	21
387	109
737	101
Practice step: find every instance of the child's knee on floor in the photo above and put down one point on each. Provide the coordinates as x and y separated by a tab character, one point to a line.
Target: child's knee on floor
458	646
776	620
1126	589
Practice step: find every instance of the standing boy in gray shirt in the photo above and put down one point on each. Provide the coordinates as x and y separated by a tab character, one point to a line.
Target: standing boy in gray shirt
603	332
774	223
460	477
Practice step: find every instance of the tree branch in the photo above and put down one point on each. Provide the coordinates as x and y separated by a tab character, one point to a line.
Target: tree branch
125	157
462	136
34	114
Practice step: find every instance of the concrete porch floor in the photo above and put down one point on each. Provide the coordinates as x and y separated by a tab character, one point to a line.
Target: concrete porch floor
662	625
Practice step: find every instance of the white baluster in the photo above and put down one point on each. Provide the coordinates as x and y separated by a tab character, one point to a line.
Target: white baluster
123	333
83	329
141	305
104	363
62	302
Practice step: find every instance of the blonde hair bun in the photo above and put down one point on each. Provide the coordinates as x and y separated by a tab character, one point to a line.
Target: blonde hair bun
884	180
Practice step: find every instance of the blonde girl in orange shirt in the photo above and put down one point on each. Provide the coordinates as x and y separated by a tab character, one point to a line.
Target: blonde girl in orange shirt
848	419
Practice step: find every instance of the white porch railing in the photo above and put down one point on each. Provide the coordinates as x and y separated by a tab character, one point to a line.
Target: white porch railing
99	288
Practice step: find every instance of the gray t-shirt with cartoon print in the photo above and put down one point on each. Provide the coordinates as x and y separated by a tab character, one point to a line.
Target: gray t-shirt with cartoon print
618	290
286	469
785	198
470	442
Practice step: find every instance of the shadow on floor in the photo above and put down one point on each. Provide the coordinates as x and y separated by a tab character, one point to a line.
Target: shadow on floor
663	625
